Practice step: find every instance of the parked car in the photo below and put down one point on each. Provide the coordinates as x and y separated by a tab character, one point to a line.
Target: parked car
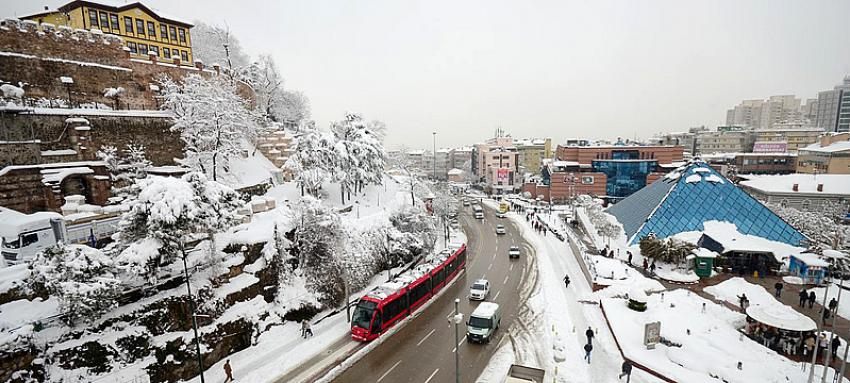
480	290
500	229
513	252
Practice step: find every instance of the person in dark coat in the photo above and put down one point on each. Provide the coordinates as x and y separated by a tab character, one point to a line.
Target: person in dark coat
566	281
630	263
778	287
587	349
645	264
228	371
627	369
836	343
804	296
652	267
833	304
589	334
812	298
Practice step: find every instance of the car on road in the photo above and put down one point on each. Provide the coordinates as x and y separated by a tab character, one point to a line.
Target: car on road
500	229
513	252
480	290
483	322
501	215
466	202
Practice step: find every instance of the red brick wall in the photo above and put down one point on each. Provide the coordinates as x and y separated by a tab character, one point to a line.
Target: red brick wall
586	154
561	190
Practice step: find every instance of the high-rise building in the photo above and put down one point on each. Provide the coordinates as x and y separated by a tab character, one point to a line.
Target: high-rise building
833	108
762	114
532	151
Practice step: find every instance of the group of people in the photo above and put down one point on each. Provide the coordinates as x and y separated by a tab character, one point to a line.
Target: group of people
793	343
539	227
648	266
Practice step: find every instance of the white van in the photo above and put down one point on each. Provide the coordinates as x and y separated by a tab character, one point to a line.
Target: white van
483	322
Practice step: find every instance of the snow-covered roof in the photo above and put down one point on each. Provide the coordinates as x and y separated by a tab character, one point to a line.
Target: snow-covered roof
834	254
806	183
564	164
702	252
455	171
8	169
728	236
811	259
781	316
485	310
832	148
56	176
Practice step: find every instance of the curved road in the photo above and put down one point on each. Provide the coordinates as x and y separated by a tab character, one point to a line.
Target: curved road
422	351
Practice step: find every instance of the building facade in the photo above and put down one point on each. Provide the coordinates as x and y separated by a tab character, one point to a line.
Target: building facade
795	136
143	29
764	114
726	140
532	152
827	193
622	169
833	108
831	155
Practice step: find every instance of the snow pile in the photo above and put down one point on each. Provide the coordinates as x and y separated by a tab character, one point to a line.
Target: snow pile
11	91
711	345
693	178
730	289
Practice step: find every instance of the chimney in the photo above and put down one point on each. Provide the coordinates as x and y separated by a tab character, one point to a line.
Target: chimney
152	56
820	187
796	187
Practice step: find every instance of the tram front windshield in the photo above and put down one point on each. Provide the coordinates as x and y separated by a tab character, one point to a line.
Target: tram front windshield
363	314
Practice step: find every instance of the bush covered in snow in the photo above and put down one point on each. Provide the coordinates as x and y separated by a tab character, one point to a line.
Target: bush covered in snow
665	250
80	276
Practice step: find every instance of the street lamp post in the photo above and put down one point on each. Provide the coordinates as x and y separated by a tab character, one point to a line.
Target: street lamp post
435	155
458	318
192	310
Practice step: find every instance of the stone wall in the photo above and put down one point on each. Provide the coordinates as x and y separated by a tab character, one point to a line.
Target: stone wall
23	188
94	62
154	132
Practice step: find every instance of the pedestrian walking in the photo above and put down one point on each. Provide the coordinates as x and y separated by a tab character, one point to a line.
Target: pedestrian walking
778	287
836	343
626	370
629	260
305	327
566	281
228	372
812	298
589	334
652	268
645	264
804	296
742	301
833	304
587	349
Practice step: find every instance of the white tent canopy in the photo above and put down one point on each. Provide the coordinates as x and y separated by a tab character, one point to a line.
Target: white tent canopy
782	317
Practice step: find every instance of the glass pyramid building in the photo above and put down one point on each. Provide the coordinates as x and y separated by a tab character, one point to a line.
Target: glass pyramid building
692	194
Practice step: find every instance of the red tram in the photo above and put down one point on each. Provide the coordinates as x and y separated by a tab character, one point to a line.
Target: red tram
391	302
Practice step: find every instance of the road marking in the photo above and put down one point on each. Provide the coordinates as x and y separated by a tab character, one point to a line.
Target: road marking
512	267
459	343
388	371
506	278
497	295
491	265
426	337
432	375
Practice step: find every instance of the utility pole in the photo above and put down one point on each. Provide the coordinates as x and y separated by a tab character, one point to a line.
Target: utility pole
831	333
192	310
458	319
819	328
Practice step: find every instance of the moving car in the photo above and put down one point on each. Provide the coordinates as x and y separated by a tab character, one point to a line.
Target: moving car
466	202
483	322
480	290
500	229
513	252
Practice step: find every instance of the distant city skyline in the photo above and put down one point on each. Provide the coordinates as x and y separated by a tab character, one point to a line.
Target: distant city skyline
559	69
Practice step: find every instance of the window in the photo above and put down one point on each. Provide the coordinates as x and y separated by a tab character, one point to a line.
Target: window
587	180
104	20
132	46
151	29
113	19
173	33
140	26
29	239
184	56
166	52
93	18
182	33
128	24
143	49
163	31
154	49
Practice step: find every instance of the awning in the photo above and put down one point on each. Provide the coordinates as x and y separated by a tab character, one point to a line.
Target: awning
782	317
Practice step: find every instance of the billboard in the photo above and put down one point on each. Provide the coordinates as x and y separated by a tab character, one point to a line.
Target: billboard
502	175
770	147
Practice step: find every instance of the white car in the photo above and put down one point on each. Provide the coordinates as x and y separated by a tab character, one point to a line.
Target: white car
480	290
501	215
513	252
500	229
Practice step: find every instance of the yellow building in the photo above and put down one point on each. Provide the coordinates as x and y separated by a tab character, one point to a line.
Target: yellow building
143	29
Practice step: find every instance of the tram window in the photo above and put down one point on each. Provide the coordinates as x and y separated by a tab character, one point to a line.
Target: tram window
376	325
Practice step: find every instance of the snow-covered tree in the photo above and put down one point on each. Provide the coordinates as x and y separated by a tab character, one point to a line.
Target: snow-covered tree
820	223
313	159
167	212
273	101
360	155
109	155
215	44
416	222
115	94
318	243
125	169
213	121
81	278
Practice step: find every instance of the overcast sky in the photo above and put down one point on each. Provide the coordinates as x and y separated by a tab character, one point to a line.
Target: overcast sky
599	69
